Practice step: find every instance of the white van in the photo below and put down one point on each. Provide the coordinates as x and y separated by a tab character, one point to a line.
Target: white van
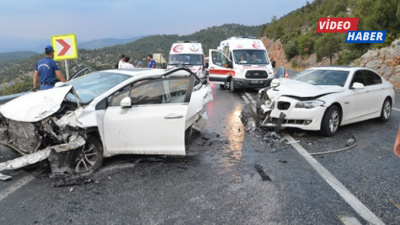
188	54
240	62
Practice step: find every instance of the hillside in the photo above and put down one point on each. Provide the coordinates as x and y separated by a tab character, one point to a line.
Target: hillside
296	30
101	43
105	58
6	56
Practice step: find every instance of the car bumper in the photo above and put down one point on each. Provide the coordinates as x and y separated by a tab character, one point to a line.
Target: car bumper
252	83
305	119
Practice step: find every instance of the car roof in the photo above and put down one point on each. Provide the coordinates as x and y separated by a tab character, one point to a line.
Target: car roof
341	68
144	72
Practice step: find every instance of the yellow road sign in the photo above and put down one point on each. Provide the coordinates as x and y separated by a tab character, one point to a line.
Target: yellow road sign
65	46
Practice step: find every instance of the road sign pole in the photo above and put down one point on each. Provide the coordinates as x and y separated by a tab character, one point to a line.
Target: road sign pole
66	69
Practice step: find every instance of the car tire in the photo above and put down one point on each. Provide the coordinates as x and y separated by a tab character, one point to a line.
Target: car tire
330	121
90	156
386	110
232	86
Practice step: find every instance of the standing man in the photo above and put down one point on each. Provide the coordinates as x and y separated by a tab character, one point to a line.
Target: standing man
120	62
152	62
46	71
127	64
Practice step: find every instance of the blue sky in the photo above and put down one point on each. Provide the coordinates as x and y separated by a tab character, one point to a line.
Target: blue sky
94	19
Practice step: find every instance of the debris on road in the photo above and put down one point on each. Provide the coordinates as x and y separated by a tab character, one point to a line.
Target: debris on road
351	143
282	161
292	142
4	177
260	171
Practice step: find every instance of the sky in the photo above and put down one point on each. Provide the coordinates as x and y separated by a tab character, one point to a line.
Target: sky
37	20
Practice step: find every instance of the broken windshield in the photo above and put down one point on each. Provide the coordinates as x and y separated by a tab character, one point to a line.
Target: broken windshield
249	56
93	85
323	77
185	59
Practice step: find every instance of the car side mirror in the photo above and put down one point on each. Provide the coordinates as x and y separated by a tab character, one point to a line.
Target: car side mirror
357	85
273	64
206	66
275	82
126	103
228	65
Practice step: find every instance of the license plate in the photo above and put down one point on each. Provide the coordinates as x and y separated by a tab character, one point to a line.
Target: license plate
256	81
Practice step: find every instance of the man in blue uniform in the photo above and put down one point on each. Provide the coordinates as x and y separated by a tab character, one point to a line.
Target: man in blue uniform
152	62
46	71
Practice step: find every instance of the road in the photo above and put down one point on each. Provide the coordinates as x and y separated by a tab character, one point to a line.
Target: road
229	176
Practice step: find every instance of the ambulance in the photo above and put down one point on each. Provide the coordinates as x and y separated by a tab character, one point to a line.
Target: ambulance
240	62
188	54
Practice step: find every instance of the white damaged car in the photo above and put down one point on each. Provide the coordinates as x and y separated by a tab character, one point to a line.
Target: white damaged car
106	113
325	98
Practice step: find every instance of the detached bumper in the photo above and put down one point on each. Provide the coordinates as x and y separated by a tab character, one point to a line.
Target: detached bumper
305	119
252	83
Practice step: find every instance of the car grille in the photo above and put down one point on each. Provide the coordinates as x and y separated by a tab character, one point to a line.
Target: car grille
283	105
259	74
298	122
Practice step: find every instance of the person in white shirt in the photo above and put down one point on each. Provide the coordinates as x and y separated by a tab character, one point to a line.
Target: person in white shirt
120	62
127	64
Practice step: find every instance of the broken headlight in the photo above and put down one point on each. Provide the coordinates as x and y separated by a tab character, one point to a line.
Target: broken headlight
310	104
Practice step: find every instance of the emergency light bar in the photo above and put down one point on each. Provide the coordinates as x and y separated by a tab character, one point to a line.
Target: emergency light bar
186	41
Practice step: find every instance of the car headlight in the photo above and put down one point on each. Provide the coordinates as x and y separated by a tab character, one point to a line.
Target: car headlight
310	104
271	71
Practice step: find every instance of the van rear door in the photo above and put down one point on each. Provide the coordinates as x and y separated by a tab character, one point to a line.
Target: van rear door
220	67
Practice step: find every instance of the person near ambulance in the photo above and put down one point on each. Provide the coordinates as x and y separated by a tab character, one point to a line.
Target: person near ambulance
120	62
46	71
152	62
127	64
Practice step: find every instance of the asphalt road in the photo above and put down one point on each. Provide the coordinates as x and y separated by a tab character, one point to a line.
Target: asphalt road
229	176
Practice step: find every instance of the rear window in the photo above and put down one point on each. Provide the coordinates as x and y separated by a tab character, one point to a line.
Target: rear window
372	78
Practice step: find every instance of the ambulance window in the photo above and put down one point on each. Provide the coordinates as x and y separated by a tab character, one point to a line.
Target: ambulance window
218	58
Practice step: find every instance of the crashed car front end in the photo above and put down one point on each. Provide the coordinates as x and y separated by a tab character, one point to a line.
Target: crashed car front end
41	134
290	104
290	111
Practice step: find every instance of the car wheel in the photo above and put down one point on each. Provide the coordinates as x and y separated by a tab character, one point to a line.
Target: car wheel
90	156
386	110
232	86
330	121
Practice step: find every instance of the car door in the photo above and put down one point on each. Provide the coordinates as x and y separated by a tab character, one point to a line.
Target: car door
356	100
374	88
219	67
155	124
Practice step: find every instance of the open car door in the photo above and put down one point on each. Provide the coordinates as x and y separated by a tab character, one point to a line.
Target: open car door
220	67
153	121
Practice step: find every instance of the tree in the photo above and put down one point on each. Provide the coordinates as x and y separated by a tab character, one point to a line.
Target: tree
327	45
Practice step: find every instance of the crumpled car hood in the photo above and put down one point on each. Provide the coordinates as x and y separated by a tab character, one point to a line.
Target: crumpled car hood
301	89
35	106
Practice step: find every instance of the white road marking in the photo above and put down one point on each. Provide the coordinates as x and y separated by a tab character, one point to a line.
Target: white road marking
352	200
14	187
349	220
395	109
245	99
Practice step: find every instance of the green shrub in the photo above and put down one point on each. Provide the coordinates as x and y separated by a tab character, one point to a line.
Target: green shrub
293	63
290	49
